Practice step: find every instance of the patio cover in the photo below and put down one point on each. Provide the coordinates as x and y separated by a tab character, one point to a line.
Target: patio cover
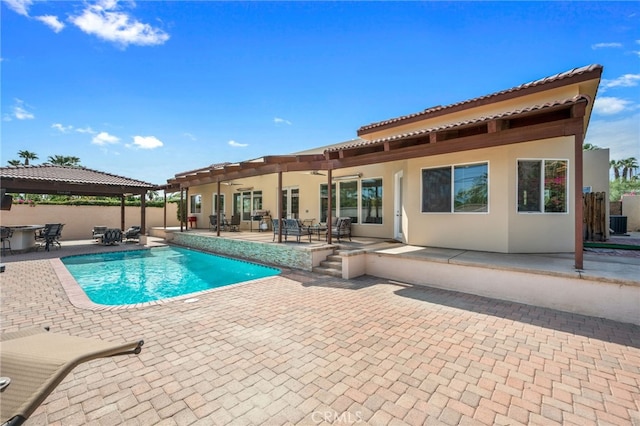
69	180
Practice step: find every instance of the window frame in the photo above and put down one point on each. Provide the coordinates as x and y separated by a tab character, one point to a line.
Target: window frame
452	187
336	204
542	187
195	204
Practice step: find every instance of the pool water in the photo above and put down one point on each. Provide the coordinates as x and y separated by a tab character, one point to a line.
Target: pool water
138	276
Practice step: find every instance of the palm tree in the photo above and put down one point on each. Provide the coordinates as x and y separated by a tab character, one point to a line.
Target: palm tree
14	162
589	147
615	165
27	155
64	160
628	166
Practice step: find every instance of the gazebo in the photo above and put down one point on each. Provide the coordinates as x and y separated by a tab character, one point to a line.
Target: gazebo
70	180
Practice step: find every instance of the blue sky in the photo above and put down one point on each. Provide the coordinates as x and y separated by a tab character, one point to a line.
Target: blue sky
148	89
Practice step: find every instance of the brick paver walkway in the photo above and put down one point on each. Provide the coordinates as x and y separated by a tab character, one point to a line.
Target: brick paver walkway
308	349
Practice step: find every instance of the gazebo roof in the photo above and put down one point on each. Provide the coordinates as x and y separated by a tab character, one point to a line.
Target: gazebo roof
69	180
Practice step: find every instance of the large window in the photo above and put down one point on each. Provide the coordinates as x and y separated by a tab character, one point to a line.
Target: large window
195	206
215	203
457	189
371	200
324	201
348	200
542	186
246	202
361	200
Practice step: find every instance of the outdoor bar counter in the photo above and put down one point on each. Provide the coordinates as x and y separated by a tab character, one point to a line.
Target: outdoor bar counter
24	237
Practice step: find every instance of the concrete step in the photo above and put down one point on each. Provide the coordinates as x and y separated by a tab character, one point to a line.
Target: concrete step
335	264
334	258
328	271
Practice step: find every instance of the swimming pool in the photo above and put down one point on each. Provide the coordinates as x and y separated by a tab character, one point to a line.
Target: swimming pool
138	276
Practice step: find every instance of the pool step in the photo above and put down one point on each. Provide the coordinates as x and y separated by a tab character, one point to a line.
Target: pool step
332	266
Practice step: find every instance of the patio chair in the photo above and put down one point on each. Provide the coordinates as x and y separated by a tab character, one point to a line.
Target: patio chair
5	236
342	228
275	224
213	222
111	236
33	362
133	233
50	235
294	227
234	225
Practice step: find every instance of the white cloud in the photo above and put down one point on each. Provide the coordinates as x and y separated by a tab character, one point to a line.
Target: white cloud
19	112
61	128
278	120
105	22
52	22
19	6
86	130
627	80
147	142
237	145
622	136
190	136
104	138
605	45
608	105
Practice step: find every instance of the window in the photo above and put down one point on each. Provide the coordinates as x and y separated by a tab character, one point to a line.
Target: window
348	200
215	203
371	200
324	201
243	202
196	204
467	192
542	186
360	200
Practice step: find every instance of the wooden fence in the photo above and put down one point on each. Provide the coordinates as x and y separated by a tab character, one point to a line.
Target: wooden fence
595	216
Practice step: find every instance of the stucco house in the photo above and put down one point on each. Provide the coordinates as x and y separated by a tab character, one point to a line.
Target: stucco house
502	173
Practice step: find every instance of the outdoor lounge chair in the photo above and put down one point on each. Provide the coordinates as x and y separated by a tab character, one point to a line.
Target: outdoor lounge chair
133	233
112	236
98	231
33	362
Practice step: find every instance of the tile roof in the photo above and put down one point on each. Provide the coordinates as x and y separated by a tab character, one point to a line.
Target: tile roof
554	78
68	174
507	114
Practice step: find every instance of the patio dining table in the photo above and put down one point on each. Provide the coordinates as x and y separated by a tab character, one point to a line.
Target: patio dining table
24	237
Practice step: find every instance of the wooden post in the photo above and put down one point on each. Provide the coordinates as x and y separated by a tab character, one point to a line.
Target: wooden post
279	204
143	213
122	212
329	205
578	202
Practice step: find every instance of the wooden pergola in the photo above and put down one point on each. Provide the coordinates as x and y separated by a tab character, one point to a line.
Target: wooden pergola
566	117
68	180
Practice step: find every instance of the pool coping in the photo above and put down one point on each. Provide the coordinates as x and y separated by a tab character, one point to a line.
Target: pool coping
78	298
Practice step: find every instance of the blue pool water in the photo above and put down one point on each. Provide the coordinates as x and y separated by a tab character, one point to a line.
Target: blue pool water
137	276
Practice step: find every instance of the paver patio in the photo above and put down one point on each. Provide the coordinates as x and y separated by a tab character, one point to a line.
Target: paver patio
309	349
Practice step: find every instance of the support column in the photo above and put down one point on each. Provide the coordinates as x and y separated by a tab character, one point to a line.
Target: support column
578	201
218	216
143	213
279	204
122	212
329	204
